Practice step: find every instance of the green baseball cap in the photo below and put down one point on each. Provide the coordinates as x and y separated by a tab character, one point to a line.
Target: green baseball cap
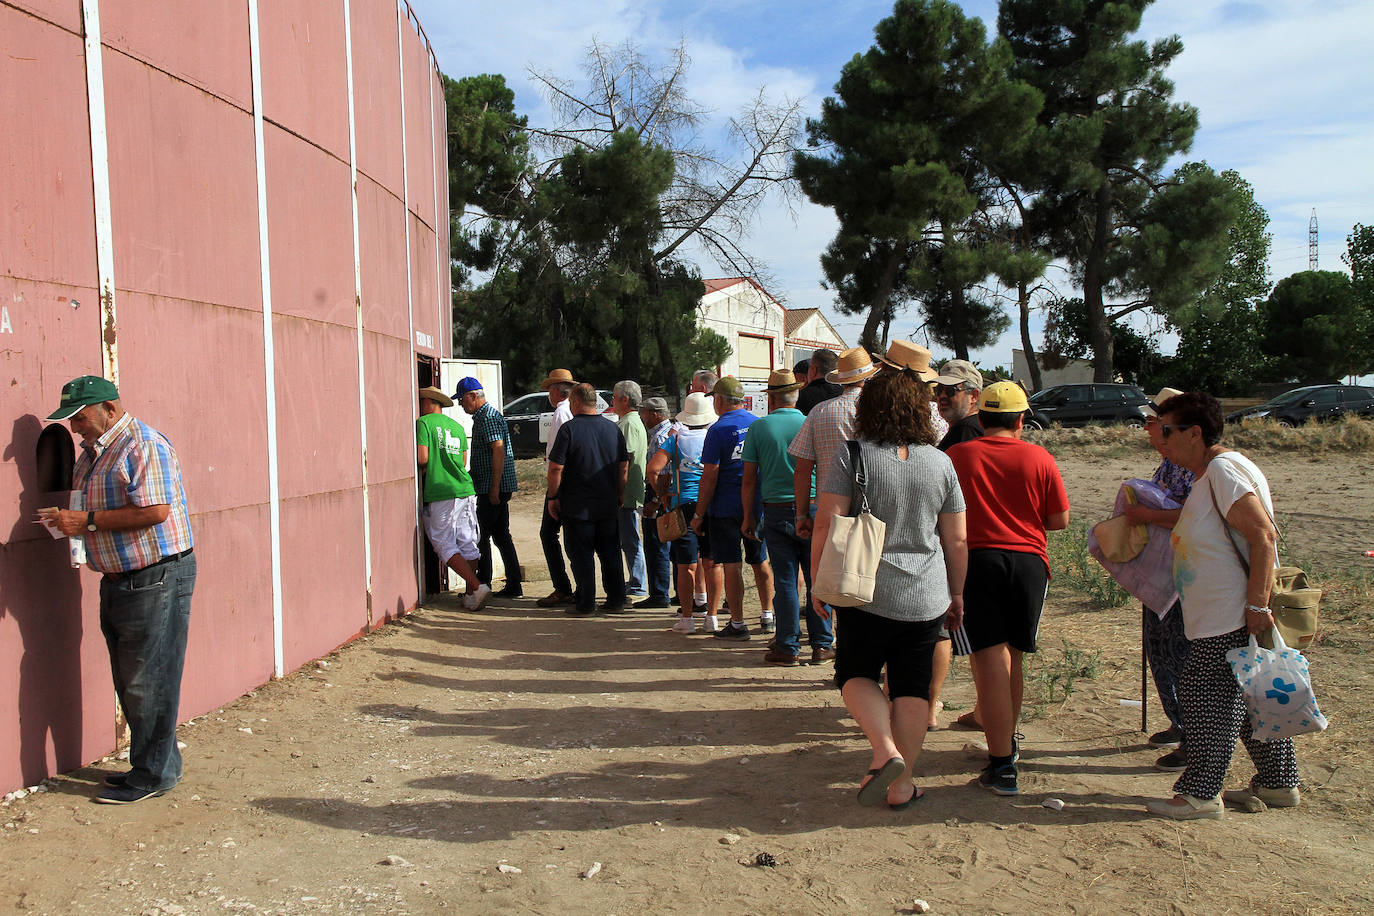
729	387
79	392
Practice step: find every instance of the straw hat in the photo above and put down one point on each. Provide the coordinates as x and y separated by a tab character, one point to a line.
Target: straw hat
434	394
698	411
557	377
781	381
903	354
855	365
1152	409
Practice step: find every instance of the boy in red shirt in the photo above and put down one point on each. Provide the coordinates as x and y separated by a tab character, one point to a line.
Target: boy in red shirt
1014	494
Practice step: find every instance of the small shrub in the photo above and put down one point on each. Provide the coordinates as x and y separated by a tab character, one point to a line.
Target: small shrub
1053	679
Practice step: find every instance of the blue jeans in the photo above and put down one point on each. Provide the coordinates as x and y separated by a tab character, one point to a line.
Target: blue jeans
589	542
144	616
656	560
634	551
788	552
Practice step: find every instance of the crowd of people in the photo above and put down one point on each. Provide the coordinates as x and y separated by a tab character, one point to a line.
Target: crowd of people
936	455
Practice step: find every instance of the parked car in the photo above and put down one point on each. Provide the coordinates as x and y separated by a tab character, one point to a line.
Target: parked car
1313	402
530	416
1081	404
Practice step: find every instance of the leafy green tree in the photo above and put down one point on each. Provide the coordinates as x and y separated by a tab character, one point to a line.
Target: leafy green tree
1219	336
1137	356
897	154
1359	257
1107	128
1313	328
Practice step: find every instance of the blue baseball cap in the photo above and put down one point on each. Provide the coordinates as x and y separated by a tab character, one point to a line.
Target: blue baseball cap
466	385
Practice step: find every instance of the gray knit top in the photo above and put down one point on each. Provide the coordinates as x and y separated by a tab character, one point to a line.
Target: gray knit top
909	496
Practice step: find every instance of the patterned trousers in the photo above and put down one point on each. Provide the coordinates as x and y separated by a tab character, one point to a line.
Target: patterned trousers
1166	646
1214	716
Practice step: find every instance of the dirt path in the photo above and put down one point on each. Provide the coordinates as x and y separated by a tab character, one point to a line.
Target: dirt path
516	737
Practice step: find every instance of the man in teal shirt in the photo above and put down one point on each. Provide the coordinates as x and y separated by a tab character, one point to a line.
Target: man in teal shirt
768	473
625	400
450	505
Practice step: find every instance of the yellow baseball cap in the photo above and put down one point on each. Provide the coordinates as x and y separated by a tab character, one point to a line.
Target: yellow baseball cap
1003	397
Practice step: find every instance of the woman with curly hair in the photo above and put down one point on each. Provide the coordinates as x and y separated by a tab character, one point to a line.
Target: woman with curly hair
911	486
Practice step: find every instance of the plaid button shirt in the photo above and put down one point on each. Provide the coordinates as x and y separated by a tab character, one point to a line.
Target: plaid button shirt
489	426
132	464
829	425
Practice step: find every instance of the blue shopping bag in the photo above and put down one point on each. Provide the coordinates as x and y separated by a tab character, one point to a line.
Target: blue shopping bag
1277	690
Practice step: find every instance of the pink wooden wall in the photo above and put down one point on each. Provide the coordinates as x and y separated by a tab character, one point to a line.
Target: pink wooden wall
191	355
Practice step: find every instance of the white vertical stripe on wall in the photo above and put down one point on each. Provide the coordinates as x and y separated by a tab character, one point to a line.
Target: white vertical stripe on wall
100	183
269	357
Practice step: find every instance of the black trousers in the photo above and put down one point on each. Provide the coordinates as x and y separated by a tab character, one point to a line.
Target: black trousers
588	542
553	552
493	524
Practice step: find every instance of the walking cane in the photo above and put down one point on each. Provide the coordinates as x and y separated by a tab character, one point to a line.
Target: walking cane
1144	690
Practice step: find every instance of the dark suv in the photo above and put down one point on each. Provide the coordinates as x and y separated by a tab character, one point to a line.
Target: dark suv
1079	405
1315	402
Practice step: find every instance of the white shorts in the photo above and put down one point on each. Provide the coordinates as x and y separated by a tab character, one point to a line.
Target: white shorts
451	526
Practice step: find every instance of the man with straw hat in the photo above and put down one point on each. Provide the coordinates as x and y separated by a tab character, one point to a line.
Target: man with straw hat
768	473
829	425
559	385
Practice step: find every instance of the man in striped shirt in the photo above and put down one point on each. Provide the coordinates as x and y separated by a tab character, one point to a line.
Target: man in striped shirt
130	506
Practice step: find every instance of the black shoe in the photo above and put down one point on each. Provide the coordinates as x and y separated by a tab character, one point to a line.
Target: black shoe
115	780
1172	762
1170	737
1001	780
653	601
127	795
733	632
510	591
1016	740
609	608
578	612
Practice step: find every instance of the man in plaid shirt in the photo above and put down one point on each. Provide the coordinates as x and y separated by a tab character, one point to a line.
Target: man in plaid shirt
130	507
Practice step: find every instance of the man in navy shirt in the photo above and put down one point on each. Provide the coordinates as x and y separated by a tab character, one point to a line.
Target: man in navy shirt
718	496
588	468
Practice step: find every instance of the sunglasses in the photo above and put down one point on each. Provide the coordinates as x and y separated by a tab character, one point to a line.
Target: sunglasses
1167	428
949	390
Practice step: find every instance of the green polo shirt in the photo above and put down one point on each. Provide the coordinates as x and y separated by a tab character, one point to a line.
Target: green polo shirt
637	444
766	446
445	474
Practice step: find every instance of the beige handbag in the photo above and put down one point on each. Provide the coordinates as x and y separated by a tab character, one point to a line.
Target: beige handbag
671	524
853	547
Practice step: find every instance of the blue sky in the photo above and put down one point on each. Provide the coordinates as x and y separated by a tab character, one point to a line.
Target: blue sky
1285	91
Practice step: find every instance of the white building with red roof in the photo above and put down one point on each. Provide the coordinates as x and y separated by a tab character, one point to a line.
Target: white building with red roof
763	335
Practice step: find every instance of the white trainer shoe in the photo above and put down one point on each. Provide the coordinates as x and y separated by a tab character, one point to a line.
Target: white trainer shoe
474	601
683	625
710	624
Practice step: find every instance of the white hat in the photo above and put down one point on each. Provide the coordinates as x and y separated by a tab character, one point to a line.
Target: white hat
698	411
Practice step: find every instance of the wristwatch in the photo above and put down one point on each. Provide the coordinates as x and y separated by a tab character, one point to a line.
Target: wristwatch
90	520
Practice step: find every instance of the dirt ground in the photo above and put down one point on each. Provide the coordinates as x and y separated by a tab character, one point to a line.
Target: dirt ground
503	755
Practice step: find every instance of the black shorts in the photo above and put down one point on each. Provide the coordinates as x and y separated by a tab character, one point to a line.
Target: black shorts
1004	594
865	642
729	545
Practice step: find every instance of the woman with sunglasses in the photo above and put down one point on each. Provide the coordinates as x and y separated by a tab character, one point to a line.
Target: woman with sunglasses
1228	515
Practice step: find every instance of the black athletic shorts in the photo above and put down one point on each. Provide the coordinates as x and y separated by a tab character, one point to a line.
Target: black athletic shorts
729	545
865	642
1004	594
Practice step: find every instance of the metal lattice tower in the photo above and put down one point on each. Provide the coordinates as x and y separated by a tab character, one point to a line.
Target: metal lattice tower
1312	241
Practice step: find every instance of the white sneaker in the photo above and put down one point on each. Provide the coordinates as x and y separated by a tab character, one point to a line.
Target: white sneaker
683	625
710	625
1195	809
473	601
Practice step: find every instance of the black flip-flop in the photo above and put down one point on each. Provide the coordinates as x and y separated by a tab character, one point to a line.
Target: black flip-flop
915	797
874	792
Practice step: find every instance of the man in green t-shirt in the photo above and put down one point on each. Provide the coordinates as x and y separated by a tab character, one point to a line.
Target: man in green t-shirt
625	400
450	505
